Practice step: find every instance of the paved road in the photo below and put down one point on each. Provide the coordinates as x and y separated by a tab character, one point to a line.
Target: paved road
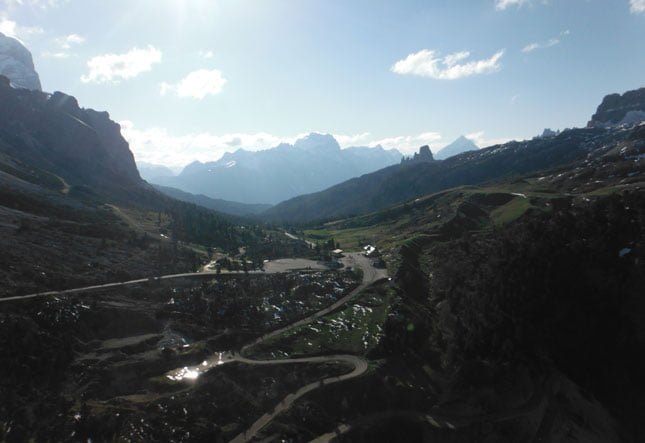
360	366
283	265
370	276
108	286
293	237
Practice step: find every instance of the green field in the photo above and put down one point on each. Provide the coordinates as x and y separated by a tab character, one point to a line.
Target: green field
352	239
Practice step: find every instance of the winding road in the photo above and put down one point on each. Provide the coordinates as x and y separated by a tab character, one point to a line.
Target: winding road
360	367
351	260
371	275
354	260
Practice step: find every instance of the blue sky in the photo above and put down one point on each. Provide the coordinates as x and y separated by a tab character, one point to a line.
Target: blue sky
191	79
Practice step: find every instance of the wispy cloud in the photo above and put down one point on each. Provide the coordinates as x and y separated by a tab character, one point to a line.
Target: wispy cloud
503	4
197	84
482	141
12	29
428	63
409	144
362	139
541	45
41	4
159	146
111	68
64	45
59	55
546	44
67	41
637	6
206	54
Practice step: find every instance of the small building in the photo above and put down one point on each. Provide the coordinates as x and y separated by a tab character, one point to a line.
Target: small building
370	251
337	253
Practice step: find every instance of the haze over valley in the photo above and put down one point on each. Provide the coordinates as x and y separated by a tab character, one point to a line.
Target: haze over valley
244	221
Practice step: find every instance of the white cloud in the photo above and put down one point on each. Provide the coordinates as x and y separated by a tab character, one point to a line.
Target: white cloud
110	68
70	40
158	146
197	84
42	4
482	141
637	6
206	54
12	29
64	45
58	55
546	44
8	27
428	63
353	140
541	45
409	144
503	4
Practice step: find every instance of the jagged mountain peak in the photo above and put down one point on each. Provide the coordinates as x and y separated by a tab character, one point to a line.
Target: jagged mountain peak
317	141
311	164
17	64
461	144
617	109
424	155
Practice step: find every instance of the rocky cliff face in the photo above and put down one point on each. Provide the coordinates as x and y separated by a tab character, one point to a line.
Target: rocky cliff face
17	64
617	109
52	132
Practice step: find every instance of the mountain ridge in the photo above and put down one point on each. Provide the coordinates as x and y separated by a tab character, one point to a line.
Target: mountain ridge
461	144
272	175
409	180
617	109
53	132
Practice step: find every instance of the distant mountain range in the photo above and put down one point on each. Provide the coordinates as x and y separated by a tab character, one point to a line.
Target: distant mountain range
270	176
150	172
462	144
412	179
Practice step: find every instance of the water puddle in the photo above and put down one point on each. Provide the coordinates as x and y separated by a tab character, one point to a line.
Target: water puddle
188	373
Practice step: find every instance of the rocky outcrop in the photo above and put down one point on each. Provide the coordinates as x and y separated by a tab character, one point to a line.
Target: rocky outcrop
17	64
617	109
54	133
424	155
